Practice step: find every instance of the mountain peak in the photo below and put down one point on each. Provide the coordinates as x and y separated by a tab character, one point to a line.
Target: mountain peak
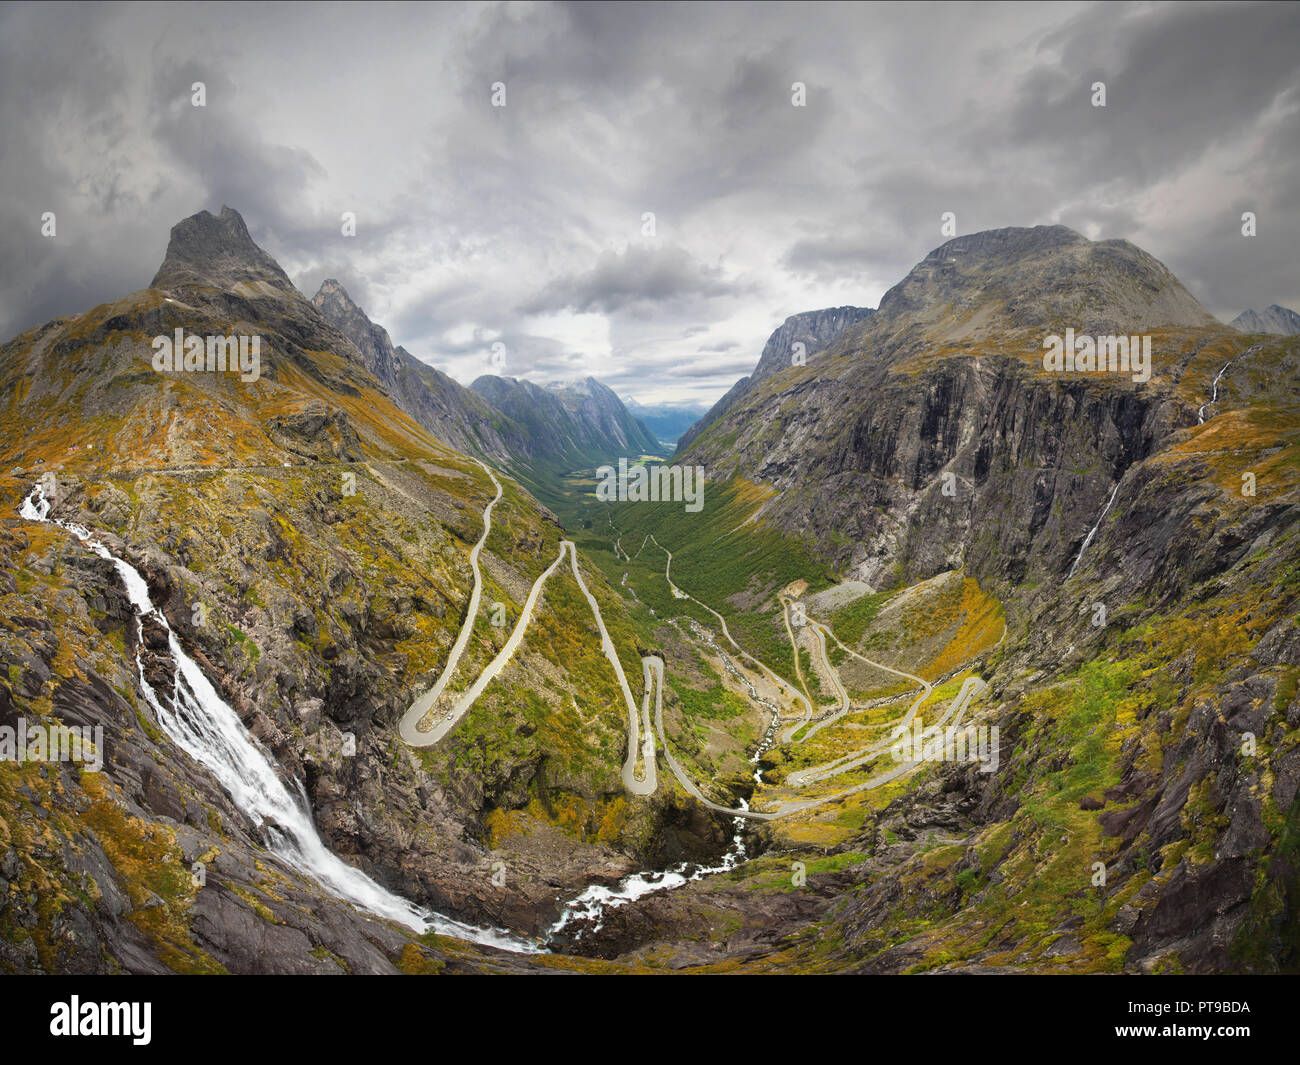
1037	277
332	287
1011	240
582	386
216	251
1273	319
333	301
581	419
813	329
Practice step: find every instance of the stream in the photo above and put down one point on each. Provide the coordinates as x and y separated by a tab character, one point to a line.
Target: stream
589	908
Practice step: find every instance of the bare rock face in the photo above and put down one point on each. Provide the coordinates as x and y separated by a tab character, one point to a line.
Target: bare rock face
216	250
813	329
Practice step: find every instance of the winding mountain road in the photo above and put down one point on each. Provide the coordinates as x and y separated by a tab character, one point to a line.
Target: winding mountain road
426	722
779	681
645	782
639	770
848	762
851	761
408	727
652	667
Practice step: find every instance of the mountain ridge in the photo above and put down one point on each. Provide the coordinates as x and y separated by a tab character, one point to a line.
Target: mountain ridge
1276	319
814	330
452	412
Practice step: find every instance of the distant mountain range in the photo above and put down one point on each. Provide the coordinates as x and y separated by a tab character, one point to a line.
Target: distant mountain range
574	423
1279	320
499	417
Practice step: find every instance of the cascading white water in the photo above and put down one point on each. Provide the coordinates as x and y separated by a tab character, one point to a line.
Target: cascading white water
589	908
1214	394
205	726
1093	531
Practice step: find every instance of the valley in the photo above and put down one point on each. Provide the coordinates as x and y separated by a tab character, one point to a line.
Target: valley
389	684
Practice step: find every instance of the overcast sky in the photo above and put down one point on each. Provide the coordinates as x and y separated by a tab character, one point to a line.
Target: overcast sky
524	224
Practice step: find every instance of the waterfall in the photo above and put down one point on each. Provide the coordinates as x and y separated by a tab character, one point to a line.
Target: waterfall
1088	539
205	726
1214	394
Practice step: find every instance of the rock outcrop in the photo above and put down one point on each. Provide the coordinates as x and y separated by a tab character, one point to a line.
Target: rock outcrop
814	330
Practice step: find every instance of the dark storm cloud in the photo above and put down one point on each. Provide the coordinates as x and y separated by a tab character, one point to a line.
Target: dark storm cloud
522	225
630	279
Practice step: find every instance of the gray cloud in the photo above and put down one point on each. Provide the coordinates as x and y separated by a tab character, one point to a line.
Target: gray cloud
522	224
631	279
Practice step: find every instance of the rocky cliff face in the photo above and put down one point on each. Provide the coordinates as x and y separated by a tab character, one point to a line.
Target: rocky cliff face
1279	320
813	329
933	430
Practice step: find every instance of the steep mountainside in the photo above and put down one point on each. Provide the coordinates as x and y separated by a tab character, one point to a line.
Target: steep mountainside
308	544
952	363
1144	540
1280	320
813	329
583	422
453	413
